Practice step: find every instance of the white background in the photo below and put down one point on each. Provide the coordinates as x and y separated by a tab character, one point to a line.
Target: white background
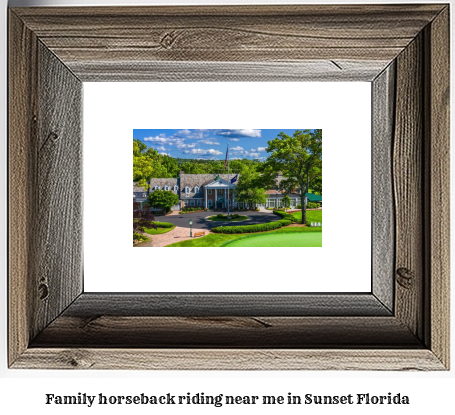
23	391
341	109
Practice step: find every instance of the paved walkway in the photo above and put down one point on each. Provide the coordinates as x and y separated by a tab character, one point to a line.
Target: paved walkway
176	235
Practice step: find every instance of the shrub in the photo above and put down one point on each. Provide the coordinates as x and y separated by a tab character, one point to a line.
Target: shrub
187	209
253	228
249	228
163	224
138	237
285	215
221	216
299	206
312	205
284	222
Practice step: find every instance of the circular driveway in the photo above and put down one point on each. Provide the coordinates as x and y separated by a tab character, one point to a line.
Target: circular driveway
200	221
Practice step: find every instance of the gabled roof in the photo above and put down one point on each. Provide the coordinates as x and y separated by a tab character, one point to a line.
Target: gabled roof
220	183
200	180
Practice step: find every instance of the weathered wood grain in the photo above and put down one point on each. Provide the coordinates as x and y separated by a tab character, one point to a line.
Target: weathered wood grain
308	71
53	49
436	147
228	34
213	305
228	359
408	188
256	332
382	201
57	218
22	95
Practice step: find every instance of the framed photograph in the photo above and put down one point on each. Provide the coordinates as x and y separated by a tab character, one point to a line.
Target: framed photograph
400	323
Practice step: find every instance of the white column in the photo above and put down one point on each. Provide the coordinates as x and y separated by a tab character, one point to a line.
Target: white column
225	201
206	198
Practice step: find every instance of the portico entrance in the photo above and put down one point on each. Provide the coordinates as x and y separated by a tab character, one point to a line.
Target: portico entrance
221	192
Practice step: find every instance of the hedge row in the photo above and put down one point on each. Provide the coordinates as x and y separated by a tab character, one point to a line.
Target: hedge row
285	215
163	224
248	228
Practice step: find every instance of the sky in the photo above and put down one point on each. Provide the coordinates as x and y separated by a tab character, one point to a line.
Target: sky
210	144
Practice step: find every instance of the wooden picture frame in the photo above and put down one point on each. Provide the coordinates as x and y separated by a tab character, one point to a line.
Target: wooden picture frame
403	324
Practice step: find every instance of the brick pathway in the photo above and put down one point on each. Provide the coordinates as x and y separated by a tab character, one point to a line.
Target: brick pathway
176	235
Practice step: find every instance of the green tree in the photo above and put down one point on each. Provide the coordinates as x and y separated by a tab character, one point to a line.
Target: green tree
163	199
247	190
146	164
286	201
299	158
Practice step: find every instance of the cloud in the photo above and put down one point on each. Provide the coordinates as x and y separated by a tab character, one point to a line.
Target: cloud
160	148
194	134
165	154
209	142
259	149
238	148
201	152
238	133
251	154
182	145
162	139
234	139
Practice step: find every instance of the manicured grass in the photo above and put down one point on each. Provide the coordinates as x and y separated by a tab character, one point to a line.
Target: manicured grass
225	218
311	216
213	239
219	239
281	239
158	231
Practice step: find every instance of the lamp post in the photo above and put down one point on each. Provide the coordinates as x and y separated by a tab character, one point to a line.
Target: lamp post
191	229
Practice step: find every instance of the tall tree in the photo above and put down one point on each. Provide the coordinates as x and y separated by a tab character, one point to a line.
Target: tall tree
299	158
146	164
247	190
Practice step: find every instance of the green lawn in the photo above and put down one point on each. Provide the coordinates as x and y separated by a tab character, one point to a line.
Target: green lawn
158	231
311	216
219	239
280	239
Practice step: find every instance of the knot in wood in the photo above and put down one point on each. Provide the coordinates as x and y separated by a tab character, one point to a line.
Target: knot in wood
405	278
53	136
43	291
168	39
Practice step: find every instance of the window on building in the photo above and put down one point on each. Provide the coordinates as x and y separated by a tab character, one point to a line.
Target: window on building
166	187
156	187
144	195
192	202
185	202
176	188
199	202
209	191
187	189
229	202
196	189
210	202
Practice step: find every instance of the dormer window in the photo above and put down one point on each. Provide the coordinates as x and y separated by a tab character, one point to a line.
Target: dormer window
166	187
156	187
187	189
196	189
176	188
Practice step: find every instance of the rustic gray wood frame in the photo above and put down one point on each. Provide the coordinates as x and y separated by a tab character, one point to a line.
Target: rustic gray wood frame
403	324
